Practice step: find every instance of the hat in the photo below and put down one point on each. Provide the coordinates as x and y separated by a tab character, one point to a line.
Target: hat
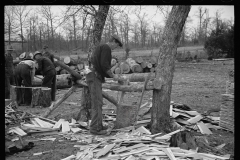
28	58
36	53
44	47
10	48
117	39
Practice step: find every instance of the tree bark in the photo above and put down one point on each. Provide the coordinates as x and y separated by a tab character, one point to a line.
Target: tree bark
160	118
99	22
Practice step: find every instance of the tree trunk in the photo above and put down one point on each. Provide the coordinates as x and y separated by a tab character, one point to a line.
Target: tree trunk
99	23
160	118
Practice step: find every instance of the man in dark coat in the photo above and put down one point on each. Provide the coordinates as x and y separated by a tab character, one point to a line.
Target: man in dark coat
25	72
47	68
9	71
46	53
100	68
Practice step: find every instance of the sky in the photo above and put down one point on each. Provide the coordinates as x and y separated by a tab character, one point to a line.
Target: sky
155	16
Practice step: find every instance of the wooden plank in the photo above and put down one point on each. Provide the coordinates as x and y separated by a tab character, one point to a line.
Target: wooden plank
130	148
195	119
58	124
75	130
203	128
143	130
131	153
43	123
192	113
169	153
18	131
105	150
65	126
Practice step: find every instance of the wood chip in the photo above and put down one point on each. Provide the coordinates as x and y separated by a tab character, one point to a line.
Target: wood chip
105	150
75	130
195	119
143	130
18	131
65	126
169	153
203	128
58	124
43	124
130	148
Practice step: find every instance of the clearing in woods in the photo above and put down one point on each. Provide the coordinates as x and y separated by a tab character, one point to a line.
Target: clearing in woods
198	85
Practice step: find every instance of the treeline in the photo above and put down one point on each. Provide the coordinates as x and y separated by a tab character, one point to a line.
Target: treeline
71	28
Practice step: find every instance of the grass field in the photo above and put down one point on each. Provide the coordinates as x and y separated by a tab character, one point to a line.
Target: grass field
198	85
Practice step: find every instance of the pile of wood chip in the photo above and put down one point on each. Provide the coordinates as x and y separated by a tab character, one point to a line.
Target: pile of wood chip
125	143
12	115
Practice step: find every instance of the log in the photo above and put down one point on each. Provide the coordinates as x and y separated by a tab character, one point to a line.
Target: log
144	64
31	55
114	67
124	67
62	81
56	104
22	56
153	60
16	62
63	71
117	70
80	66
139	60
58	68
72	67
133	87
69	61
133	65
152	69
113	62
135	77
64	66
149	65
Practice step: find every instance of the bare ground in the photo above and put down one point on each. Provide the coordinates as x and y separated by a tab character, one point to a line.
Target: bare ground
197	85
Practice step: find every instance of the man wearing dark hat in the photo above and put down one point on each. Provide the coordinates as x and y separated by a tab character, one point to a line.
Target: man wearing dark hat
9	71
100	68
46	53
47	68
25	72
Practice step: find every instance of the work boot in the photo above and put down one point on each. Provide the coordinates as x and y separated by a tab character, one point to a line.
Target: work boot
101	132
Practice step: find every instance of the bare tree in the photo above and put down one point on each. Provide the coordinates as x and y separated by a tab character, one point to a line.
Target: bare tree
160	118
200	13
21	13
50	17
9	21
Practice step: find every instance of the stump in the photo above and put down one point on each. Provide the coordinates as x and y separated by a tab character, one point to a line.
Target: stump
125	115
41	96
35	96
184	140
45	97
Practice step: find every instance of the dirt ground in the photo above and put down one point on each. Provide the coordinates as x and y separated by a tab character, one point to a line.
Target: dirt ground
198	85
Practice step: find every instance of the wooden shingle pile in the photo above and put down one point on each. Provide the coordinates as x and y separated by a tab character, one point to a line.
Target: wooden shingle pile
137	144
227	104
227	112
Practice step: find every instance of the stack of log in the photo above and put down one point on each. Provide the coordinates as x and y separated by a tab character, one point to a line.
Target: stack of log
73	61
137	65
